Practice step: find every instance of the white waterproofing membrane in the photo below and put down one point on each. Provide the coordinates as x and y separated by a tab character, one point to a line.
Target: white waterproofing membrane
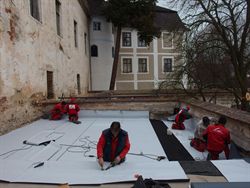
234	170
185	136
67	158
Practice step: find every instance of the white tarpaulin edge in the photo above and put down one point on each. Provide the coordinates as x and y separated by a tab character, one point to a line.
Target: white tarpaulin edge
87	172
237	170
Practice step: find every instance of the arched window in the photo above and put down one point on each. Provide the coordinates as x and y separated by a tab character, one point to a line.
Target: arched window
94	51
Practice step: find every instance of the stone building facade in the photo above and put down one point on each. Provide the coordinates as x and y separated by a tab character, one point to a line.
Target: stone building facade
144	67
44	53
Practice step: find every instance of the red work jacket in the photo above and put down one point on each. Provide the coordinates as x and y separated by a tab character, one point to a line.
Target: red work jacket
218	137
114	144
57	112
72	109
182	116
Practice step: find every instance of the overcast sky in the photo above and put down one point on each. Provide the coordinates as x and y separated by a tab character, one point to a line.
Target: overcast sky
164	3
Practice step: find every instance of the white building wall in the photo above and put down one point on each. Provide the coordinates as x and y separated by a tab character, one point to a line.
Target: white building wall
29	48
101	66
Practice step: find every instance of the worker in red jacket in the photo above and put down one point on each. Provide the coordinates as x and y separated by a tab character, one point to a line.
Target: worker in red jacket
113	145
58	111
218	138
198	142
182	115
72	109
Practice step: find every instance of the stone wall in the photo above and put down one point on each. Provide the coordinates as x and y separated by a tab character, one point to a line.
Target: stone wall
29	48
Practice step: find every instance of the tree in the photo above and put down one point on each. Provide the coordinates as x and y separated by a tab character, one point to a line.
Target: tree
205	67
137	14
230	23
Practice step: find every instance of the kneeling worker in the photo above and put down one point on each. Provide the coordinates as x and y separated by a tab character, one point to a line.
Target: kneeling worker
113	145
182	115
198	142
218	138
58	111
72	109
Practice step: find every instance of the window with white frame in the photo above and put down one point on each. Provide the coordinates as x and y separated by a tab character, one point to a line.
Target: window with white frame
35	9
97	26
126	65
142	65
167	40
167	64
126	39
140	42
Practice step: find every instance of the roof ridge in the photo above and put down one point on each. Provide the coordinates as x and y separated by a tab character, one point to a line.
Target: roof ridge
163	9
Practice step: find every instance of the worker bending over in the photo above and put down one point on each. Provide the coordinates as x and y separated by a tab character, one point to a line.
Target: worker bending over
182	115
58	111
113	145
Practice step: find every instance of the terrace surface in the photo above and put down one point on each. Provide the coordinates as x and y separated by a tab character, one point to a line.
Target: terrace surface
66	160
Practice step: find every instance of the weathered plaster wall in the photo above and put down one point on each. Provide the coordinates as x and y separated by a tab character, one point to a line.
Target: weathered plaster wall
29	48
